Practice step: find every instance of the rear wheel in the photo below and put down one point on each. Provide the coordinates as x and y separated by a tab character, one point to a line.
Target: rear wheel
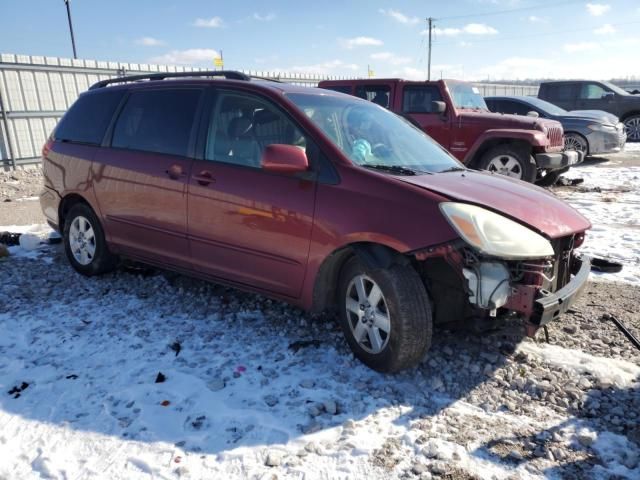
385	315
632	127
510	161
84	242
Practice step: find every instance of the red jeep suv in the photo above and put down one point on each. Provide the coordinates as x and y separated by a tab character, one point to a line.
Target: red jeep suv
320	199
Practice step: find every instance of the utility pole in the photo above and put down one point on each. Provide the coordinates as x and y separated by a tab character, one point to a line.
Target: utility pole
430	22
73	41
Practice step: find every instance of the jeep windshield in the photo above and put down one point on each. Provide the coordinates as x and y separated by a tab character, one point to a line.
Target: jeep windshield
374	137
465	95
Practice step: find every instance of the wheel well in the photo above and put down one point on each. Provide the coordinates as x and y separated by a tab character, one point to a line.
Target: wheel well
495	142
373	255
65	206
629	114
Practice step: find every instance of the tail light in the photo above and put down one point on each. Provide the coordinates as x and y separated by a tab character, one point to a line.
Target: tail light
47	147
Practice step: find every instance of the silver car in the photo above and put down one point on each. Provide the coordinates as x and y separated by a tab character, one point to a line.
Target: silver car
590	131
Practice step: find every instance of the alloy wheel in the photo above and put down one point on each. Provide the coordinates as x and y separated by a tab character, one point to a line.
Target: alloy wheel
368	314
506	165
82	240
574	142
632	127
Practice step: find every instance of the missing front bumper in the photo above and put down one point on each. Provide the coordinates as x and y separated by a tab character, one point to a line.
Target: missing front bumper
551	306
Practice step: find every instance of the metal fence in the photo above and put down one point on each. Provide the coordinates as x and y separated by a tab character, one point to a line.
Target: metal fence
35	91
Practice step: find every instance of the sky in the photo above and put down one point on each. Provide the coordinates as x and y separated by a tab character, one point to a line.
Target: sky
472	39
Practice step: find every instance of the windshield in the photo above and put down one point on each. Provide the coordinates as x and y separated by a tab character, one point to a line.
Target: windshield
546	107
466	96
615	88
372	136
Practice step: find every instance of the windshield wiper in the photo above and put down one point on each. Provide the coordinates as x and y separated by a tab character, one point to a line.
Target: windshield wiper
453	169
392	169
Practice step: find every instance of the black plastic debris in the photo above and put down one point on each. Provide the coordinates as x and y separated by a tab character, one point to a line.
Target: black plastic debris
73	376
605	265
9	239
16	391
160	378
176	347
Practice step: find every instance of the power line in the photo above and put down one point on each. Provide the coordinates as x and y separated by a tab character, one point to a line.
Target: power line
512	10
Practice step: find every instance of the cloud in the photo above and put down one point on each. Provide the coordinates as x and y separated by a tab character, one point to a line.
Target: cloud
598	9
150	42
330	66
580	47
192	56
213	22
399	16
264	18
360	42
536	19
390	58
470	29
606	29
513	68
413	73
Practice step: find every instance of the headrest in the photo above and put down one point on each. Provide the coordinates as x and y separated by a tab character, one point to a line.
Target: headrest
239	126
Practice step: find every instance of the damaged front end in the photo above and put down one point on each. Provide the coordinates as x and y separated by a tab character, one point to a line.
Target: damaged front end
479	290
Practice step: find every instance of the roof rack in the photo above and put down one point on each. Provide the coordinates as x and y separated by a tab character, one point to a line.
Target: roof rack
228	74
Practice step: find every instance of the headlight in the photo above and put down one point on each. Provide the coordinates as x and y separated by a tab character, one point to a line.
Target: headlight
601	127
494	234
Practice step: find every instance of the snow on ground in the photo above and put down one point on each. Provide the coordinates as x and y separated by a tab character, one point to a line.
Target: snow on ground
610	199
632	147
242	399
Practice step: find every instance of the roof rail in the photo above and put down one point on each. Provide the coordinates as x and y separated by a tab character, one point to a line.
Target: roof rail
228	74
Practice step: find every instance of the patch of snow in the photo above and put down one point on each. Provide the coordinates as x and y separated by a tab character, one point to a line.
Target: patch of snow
608	371
632	147
614	213
27	199
32	239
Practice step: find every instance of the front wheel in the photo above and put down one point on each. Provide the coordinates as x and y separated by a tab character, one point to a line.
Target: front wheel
510	161
385	315
84	242
575	141
632	128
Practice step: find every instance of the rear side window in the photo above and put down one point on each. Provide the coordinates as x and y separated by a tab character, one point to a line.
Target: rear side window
418	99
158	121
339	88
515	108
562	91
378	94
88	118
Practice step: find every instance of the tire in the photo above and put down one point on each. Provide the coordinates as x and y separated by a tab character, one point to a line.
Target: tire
84	242
551	177
575	141
632	128
403	302
511	161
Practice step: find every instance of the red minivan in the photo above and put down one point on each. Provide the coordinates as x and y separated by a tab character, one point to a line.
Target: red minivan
317	198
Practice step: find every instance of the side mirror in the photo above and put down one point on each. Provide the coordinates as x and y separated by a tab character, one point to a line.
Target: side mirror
533	114
281	158
608	96
438	107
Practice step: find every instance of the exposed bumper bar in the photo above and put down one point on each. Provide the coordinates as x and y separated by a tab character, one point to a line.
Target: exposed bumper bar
554	161
549	308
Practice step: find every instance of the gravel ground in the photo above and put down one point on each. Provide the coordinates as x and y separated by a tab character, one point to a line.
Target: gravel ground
19	190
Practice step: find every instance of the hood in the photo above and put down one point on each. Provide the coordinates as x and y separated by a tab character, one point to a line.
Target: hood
599	115
522	202
502	120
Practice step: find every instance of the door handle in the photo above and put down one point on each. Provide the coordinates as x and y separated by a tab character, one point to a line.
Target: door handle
175	171
204	178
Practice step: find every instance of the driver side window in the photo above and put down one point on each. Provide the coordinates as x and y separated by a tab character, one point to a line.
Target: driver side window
592	91
241	127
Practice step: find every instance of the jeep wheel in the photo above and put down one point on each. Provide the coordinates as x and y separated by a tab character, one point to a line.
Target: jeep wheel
509	161
84	242
385	315
632	127
575	141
